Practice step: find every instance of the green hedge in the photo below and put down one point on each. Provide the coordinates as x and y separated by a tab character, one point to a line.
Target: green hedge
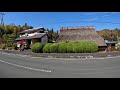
46	48
70	47
81	47
37	47
62	47
66	47
86	47
54	48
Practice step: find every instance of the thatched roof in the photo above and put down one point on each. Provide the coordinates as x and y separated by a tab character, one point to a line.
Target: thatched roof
80	34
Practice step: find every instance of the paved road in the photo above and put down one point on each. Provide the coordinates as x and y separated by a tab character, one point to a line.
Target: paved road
22	66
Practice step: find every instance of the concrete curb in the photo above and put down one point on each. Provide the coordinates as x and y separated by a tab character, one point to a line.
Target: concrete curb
65	55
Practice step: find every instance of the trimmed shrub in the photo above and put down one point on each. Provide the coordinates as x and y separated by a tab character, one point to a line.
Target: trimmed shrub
70	47
82	47
94	47
75	47
62	47
46	48
86	47
79	47
37	47
54	47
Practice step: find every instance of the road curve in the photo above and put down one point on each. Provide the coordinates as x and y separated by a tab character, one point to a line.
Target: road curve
23	66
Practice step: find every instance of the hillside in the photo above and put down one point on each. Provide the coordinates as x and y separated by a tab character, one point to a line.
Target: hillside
109	34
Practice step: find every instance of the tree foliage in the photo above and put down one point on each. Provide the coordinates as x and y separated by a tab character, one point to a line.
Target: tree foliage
111	35
52	35
8	33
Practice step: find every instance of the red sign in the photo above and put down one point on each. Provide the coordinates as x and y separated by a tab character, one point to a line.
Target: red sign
23	41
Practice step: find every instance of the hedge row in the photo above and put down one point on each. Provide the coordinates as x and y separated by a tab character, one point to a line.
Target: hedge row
46	48
66	47
37	47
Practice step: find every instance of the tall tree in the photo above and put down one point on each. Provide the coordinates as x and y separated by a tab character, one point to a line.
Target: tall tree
25	27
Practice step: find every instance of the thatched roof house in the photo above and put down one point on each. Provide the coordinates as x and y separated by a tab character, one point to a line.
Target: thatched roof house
80	34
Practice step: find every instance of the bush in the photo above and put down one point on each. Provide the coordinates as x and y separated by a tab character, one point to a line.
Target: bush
66	47
94	47
46	48
62	47
2	46
37	47
10	48
69	47
9	45
54	47
82	47
14	46
86	47
78	48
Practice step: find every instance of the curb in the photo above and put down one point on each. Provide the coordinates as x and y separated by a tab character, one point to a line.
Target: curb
71	55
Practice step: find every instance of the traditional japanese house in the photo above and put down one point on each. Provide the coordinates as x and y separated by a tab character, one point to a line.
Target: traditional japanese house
82	33
112	45
31	36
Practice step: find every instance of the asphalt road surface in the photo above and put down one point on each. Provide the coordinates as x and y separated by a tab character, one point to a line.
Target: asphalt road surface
23	66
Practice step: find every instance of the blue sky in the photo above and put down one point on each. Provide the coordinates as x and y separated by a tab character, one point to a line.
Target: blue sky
56	20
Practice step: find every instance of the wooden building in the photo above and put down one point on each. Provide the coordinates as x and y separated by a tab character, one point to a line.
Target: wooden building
31	36
112	45
82	33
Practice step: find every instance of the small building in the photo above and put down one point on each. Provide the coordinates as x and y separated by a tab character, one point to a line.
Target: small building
31	36
112	45
83	33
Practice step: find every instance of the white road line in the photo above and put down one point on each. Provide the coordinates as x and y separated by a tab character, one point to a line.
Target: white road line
41	70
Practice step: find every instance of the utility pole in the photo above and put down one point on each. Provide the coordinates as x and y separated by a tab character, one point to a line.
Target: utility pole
2	21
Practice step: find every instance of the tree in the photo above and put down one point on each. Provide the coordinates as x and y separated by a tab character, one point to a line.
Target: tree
117	33
1	32
109	34
25	27
52	35
19	28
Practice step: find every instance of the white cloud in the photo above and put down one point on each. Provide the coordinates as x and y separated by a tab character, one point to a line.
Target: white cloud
91	19
107	14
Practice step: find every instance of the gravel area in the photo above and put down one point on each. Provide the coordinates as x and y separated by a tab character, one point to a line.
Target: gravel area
64	55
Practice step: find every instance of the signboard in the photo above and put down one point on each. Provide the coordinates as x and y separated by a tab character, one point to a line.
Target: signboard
23	41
